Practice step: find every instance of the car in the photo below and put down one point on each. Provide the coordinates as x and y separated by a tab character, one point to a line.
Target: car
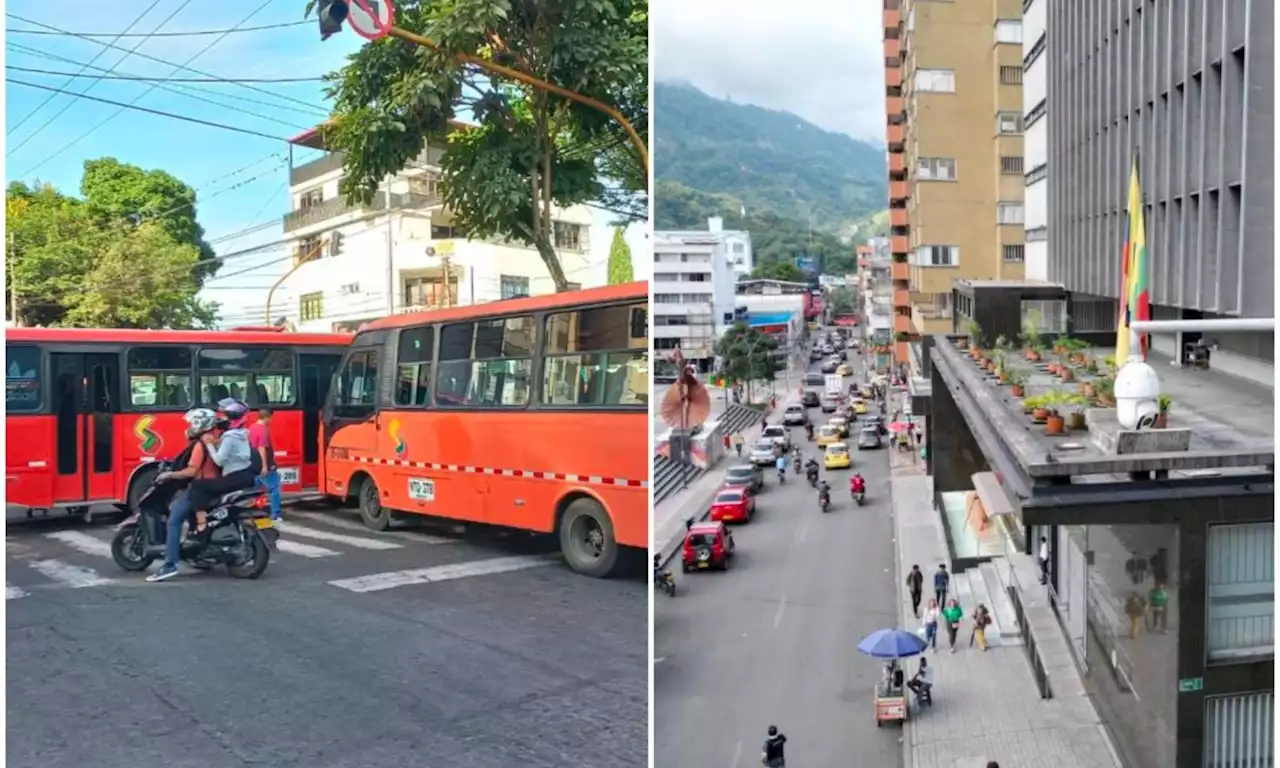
830	403
763	454
778	434
827	435
844	356
864	391
869	438
745	476
733	505
815	355
844	369
814	380
836	456
841	424
829	366
706	545
876	422
859	406
810	399
795	416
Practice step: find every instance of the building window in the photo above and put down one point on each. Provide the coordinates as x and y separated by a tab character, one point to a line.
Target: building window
1035	52
311	198
936	80
1035	114
938	256
1008	213
739	248
1011	75
1008	123
1009	31
1036	174
568	236
311	306
1238	730
428	292
936	169
1241	591
513	286
1015	254
1049	316
1011	165
308	249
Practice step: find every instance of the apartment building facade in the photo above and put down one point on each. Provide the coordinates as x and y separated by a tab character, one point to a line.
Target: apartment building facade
402	252
954	121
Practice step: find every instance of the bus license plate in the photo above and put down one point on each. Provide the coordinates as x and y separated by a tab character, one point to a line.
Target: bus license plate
422	490
288	475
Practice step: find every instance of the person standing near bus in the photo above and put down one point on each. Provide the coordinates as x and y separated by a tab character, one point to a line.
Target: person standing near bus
260	441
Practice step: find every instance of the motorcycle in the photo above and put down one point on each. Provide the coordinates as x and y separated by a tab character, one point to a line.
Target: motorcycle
824	500
812	474
239	532
664	581
860	497
782	477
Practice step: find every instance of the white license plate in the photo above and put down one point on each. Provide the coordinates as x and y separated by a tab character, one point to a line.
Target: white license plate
422	490
288	475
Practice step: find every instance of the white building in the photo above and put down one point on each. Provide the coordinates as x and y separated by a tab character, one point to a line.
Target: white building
694	274
357	263
1035	139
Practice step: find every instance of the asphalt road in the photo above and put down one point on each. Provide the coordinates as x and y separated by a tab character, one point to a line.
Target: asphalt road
324	662
772	641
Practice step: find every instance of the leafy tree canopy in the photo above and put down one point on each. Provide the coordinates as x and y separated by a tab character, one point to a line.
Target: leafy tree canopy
747	354
779	270
94	262
620	270
528	151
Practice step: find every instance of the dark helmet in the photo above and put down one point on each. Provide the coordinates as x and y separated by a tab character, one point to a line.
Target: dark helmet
233	408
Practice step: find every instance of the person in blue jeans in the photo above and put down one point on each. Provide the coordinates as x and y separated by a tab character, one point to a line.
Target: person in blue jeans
199	465
260	441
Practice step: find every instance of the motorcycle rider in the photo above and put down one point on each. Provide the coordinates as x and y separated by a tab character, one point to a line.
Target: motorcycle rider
811	469
857	484
230	450
773	749
808	430
781	464
824	493
200	465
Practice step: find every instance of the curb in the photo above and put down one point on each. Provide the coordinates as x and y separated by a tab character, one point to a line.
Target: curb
907	727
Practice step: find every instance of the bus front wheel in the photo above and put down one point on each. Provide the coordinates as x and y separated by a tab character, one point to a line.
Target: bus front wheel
586	539
375	516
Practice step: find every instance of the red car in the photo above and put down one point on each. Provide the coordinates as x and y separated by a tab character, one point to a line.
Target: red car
706	545
733	505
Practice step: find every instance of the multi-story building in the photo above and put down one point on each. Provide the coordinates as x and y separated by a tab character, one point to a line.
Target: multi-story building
877	300
1035	139
402	252
1188	88
693	290
954	130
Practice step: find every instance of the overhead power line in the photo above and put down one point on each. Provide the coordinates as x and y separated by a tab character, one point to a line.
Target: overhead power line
197	33
140	79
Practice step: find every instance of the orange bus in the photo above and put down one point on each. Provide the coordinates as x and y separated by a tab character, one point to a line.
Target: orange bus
528	413
88	411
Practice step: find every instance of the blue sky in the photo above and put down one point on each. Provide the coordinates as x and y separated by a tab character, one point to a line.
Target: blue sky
240	180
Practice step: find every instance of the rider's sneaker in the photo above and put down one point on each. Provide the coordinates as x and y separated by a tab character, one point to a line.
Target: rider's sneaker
165	572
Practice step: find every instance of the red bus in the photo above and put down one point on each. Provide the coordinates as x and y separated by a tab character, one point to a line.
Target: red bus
87	411
527	413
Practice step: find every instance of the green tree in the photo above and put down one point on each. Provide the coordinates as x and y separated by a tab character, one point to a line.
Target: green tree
779	270
843	301
747	356
620	259
528	152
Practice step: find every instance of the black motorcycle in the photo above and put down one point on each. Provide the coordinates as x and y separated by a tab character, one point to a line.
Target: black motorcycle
239	533
860	497
664	581
824	500
811	472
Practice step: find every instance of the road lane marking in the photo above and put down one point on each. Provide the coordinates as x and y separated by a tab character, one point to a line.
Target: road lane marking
376	582
303	550
659	659
777	617
73	576
737	755
351	525
13	593
804	528
82	542
293	529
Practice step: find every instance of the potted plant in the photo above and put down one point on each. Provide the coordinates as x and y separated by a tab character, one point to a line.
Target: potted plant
1038	406
975	338
1019	381
1104	391
1066	373
1031	333
1033	353
1086	389
1054	401
1075	419
1091	364
900	336
1162	416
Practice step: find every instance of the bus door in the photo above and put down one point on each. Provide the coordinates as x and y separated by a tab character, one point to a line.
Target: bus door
86	389
350	425
317	374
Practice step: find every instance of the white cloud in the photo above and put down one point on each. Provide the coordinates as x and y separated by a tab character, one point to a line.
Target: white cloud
821	59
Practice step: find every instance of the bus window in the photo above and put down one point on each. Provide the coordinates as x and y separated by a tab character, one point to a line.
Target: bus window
257	375
358	387
486	363
413	361
594	357
22	379
159	377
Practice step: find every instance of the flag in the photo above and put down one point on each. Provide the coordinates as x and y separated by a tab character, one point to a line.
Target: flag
1135	294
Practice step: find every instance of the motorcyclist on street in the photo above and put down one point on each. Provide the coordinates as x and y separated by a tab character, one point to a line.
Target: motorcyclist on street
200	465
811	469
808	430
230	450
772	756
824	493
857	484
781	464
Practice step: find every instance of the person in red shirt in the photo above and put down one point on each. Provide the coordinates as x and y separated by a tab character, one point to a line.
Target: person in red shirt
200	466
260	441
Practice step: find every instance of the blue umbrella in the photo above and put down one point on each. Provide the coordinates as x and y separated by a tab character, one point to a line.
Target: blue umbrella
892	644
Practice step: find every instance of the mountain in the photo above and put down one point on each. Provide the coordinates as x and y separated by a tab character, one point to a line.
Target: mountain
715	156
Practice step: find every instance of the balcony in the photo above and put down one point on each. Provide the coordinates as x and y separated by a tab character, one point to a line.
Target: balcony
899	244
896	134
901	270
892	47
893	77
898	218
902	323
899	190
901	297
336	206
901	351
892	18
897	162
893	105
333	161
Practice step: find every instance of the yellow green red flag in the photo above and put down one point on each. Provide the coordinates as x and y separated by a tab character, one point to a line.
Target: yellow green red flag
1135	292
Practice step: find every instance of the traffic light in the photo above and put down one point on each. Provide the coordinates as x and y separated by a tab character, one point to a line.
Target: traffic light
332	14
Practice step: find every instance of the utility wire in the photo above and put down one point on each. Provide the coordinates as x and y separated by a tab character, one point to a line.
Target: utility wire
311	107
51	96
140	79
264	27
98	79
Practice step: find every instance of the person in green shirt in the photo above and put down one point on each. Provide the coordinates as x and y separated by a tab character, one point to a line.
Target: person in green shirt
1158	600
952	615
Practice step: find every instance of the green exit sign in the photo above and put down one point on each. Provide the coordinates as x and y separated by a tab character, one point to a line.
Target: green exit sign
1190	684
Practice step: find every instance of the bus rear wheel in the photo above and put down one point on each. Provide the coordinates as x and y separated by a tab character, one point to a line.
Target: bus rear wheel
376	517
587	541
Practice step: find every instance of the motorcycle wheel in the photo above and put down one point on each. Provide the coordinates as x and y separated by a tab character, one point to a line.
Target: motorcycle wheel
127	549
259	556
671	589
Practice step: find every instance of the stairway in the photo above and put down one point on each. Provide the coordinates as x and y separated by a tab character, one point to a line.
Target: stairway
986	585
737	418
669	477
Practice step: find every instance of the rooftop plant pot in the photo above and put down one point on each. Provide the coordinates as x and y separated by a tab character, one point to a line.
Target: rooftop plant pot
1004	376
1086	388
1066	373
1075	421
1077	358
1039	415
1054	424
1017	390
1162	420
1033	355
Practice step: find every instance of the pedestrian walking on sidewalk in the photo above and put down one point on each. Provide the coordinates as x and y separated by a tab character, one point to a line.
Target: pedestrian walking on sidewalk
952	614
727	443
1044	560
738	440
981	620
931	615
915	584
941	583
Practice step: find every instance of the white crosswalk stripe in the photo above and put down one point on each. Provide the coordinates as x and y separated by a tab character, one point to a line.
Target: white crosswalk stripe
13	593
293	529
71	575
303	550
82	542
377	582
350	525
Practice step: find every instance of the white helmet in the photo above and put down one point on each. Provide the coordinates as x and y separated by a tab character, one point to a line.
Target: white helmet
199	421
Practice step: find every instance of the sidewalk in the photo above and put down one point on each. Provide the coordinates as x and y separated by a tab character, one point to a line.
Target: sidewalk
986	706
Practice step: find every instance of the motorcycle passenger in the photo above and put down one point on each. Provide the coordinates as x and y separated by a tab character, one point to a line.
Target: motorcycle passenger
781	464
231	451
811	469
808	430
773	749
824	493
857	484
200	465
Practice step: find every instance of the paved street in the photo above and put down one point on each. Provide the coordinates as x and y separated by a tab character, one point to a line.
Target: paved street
772	641
412	647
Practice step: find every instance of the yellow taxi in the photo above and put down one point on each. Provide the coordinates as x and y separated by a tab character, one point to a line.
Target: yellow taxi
864	391
828	435
859	406
844	369
841	424
837	456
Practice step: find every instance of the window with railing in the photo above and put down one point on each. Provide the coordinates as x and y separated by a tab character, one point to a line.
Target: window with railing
1039	173
1011	165
1036	51
1241	591
309	249
430	292
1014	254
1008	123
1034	114
511	286
936	169
1011	75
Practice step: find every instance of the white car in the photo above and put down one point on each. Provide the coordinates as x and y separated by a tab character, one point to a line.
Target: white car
778	434
763	454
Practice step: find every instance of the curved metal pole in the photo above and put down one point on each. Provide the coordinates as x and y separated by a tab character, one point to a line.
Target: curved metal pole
284	277
528	79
